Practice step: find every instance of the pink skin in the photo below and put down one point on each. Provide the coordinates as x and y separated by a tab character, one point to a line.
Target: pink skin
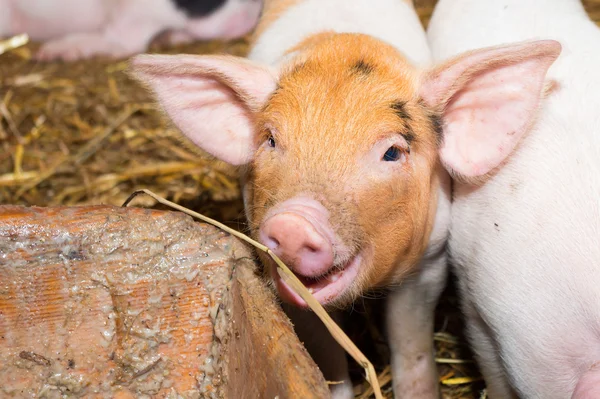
298	231
588	386
46	19
118	39
74	30
6	18
291	235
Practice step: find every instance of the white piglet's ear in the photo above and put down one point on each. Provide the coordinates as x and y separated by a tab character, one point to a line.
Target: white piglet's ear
488	100
211	99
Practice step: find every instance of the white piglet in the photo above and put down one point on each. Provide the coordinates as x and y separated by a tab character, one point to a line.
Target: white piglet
76	29
525	240
336	123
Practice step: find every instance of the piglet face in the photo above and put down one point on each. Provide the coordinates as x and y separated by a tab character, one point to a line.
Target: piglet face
342	181
342	148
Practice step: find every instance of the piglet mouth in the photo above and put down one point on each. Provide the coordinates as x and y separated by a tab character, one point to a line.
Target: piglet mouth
299	232
315	283
325	288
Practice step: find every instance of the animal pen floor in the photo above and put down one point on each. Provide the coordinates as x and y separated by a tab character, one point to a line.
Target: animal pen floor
83	133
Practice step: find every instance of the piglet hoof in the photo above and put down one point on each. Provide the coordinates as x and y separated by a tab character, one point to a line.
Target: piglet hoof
342	391
73	48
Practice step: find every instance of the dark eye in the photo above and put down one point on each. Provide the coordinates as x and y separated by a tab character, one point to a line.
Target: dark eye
271	142
392	154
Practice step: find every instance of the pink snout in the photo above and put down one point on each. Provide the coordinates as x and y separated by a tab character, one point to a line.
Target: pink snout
298	241
298	231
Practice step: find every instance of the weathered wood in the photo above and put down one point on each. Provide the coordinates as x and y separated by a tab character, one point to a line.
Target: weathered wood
126	302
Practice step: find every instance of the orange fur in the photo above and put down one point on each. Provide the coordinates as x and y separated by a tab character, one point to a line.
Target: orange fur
327	117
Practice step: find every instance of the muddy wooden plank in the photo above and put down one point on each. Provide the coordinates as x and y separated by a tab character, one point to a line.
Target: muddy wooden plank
102	301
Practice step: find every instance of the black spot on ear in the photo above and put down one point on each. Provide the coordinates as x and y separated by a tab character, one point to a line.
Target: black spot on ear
438	126
399	108
362	68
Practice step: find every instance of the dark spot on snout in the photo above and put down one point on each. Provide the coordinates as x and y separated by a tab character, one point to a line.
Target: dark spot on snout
71	364
361	67
399	108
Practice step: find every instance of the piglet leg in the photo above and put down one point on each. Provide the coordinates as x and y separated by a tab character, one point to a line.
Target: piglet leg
410	311
588	386
325	351
486	352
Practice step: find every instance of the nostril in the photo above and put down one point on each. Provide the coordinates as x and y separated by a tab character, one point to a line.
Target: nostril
312	249
269	237
274	242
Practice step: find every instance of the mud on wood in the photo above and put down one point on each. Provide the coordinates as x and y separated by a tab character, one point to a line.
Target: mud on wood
123	302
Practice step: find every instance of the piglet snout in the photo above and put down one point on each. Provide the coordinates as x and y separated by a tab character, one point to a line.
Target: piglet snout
298	234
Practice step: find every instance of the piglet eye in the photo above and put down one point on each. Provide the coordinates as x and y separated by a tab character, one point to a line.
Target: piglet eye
271	142
392	154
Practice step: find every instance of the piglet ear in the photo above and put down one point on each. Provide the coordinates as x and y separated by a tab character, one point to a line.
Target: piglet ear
488	100
211	99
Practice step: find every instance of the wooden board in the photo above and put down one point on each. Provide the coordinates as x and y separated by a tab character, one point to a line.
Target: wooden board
104	301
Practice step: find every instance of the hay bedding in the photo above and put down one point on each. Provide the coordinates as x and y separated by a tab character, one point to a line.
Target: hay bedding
83	133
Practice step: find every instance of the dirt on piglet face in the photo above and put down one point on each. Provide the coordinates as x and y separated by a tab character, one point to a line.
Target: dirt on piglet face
346	127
